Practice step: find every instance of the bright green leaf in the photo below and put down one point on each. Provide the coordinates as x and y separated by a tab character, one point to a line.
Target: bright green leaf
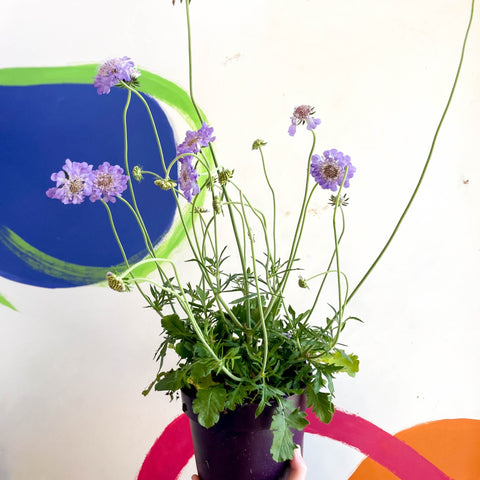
349	363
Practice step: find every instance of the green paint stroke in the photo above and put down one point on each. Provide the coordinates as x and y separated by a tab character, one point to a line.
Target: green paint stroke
37	260
4	301
159	88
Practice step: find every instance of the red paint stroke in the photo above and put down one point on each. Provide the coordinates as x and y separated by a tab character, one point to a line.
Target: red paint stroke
170	453
395	455
173	449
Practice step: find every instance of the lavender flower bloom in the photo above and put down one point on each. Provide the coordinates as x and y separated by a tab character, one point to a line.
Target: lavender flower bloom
74	182
187	178
195	140
328	171
114	71
303	114
108	183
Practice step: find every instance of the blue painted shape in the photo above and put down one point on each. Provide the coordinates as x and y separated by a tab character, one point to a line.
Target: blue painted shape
41	126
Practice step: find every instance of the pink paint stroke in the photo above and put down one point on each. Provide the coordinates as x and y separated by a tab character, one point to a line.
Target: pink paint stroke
173	449
395	455
170	453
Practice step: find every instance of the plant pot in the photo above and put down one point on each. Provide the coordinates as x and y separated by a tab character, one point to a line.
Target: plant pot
238	446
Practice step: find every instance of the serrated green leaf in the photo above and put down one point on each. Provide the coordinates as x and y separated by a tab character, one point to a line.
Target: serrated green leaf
282	445
349	363
208	404
175	326
170	381
321	404
282	423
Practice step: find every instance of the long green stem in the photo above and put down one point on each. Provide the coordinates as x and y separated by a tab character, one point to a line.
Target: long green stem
274	207
298	233
415	191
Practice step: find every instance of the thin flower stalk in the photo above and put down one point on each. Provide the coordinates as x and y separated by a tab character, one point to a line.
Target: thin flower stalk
427	162
298	231
257	288
332	258
152	121
337	259
274	205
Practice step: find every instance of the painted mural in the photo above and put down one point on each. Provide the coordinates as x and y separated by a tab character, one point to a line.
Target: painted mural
50	246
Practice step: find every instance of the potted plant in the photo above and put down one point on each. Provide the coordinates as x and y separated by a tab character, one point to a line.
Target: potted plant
249	362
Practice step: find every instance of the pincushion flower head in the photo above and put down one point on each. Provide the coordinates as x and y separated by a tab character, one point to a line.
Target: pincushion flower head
113	72
301	115
74	182
108	183
196	140
329	170
187	178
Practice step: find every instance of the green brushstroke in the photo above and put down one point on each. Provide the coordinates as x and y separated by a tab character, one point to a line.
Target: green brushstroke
40	261
4	301
162	90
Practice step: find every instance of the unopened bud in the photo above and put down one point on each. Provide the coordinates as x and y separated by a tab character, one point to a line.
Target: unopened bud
137	173
217	204
115	282
224	176
302	283
165	184
258	143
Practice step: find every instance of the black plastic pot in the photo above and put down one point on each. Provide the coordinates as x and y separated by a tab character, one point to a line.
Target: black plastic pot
238	446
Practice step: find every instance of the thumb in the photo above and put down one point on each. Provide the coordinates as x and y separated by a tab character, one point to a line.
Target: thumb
298	467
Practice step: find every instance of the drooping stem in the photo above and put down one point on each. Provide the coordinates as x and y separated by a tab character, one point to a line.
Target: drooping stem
427	162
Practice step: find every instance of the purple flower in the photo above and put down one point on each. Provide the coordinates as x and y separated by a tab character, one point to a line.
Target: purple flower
108	183
328	170
115	71
187	178
303	114
194	141
74	182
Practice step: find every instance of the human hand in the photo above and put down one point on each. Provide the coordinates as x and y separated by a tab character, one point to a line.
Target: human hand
296	471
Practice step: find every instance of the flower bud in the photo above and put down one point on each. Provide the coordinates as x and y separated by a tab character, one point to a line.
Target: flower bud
217	204
224	176
302	283
115	282
258	143
137	173
165	184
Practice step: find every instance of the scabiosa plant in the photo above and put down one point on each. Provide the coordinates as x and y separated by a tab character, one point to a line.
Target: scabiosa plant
238	338
74	182
113	72
109	182
329	170
301	115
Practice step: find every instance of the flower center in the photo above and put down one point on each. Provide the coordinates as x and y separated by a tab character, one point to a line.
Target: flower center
104	181
302	112
330	171
75	185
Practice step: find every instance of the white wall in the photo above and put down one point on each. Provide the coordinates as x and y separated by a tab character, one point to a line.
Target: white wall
73	362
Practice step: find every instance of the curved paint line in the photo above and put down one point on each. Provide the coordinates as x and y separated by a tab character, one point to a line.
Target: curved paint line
6	303
451	444
159	88
173	449
170	453
395	455
37	260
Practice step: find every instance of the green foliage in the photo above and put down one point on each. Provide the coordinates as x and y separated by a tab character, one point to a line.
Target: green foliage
208	405
282	423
